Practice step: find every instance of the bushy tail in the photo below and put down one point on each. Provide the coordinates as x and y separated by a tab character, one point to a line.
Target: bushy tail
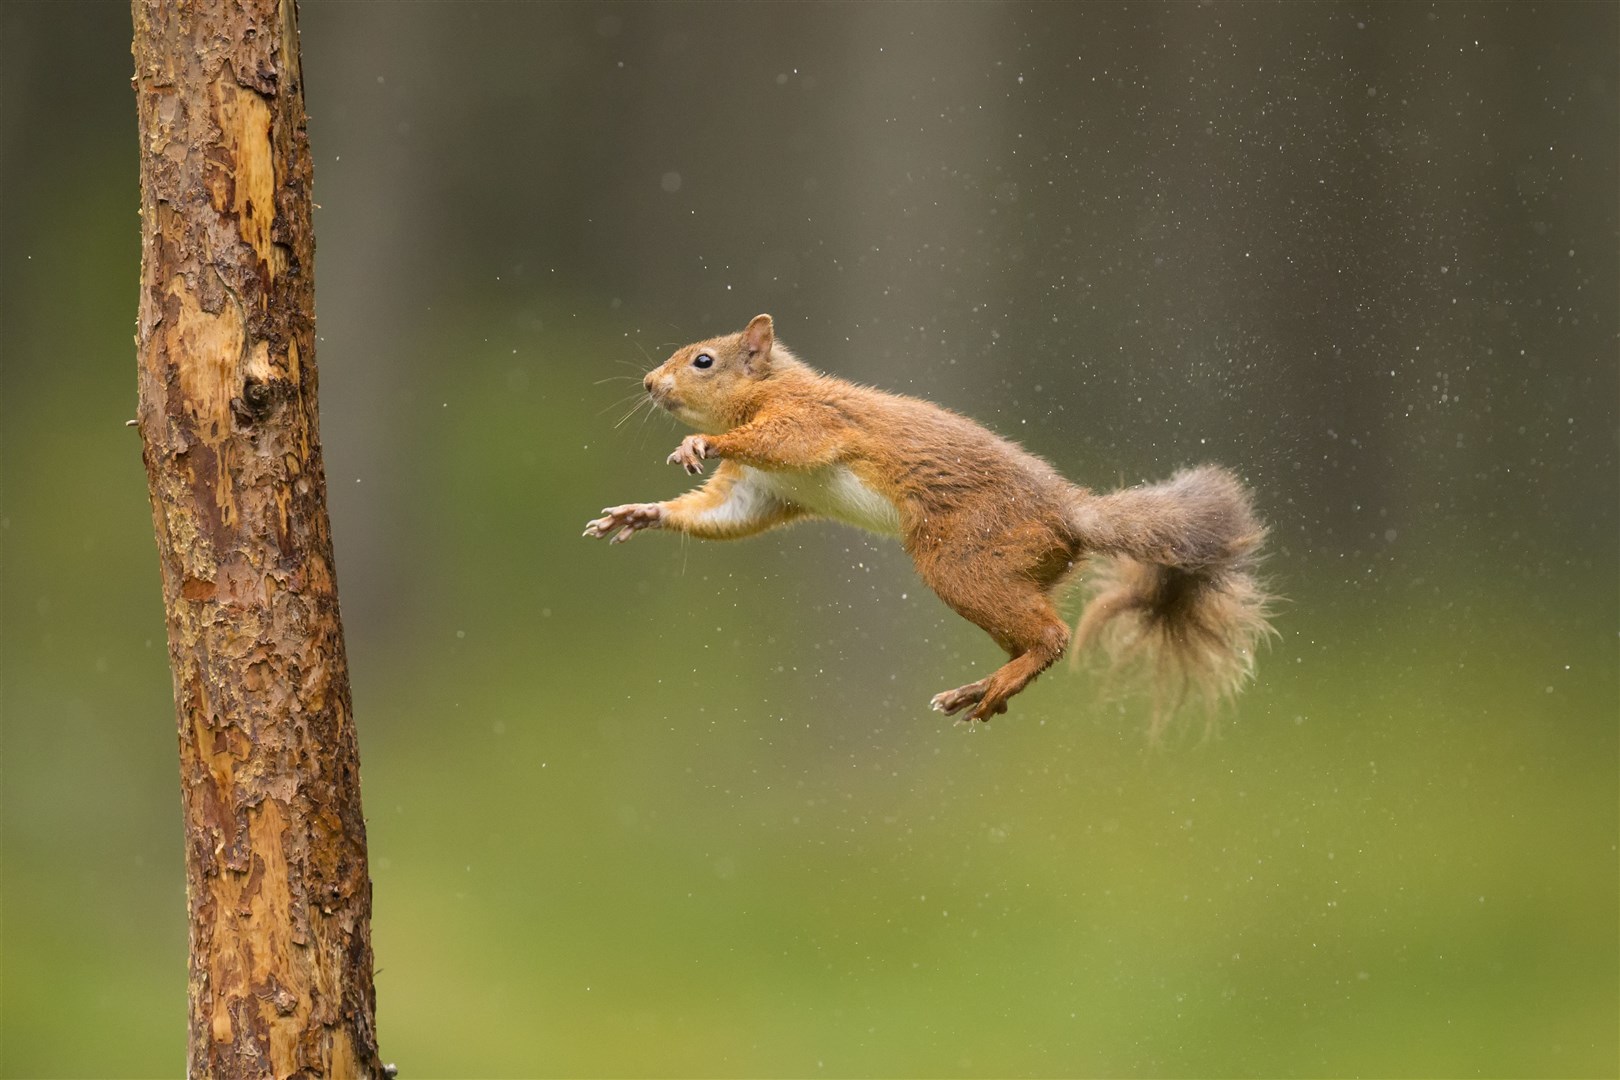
1173	584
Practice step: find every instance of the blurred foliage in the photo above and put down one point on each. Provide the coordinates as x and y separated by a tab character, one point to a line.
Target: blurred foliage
680	809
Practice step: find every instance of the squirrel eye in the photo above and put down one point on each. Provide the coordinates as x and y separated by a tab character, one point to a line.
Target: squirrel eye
703	360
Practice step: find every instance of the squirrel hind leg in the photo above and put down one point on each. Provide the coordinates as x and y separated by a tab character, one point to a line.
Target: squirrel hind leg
1019	614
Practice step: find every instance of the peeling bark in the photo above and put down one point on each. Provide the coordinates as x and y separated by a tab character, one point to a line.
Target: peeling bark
276	877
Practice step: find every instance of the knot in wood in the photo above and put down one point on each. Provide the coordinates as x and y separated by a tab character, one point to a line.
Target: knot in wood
257	402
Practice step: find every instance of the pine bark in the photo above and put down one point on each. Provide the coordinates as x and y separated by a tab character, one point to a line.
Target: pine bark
276	877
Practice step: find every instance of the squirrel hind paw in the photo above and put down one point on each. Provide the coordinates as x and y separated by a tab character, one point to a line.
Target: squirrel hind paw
951	702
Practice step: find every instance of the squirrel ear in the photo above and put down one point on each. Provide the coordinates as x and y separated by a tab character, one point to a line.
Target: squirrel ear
757	340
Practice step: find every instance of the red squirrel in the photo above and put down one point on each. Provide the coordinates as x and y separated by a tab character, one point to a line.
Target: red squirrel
993	529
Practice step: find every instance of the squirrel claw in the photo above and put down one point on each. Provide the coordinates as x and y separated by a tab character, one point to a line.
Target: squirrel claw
690	454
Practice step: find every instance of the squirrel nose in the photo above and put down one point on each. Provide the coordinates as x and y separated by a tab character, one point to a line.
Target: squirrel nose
647	382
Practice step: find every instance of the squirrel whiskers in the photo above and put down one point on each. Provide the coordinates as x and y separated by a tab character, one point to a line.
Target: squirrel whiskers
993	529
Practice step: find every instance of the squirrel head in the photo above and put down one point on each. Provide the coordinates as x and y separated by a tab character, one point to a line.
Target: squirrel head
712	385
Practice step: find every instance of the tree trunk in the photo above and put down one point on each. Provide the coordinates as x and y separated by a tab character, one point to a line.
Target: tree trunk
276	878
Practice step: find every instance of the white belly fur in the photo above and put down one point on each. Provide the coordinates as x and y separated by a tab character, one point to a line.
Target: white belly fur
833	492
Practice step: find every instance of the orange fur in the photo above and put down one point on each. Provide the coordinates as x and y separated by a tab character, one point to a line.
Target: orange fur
993	529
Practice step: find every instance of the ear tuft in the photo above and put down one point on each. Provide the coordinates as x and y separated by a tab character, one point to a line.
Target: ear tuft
757	341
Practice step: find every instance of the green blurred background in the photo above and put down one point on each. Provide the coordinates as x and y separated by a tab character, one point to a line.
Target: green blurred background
676	808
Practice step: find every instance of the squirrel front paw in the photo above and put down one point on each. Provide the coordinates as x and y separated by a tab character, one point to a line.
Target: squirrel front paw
690	454
627	520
